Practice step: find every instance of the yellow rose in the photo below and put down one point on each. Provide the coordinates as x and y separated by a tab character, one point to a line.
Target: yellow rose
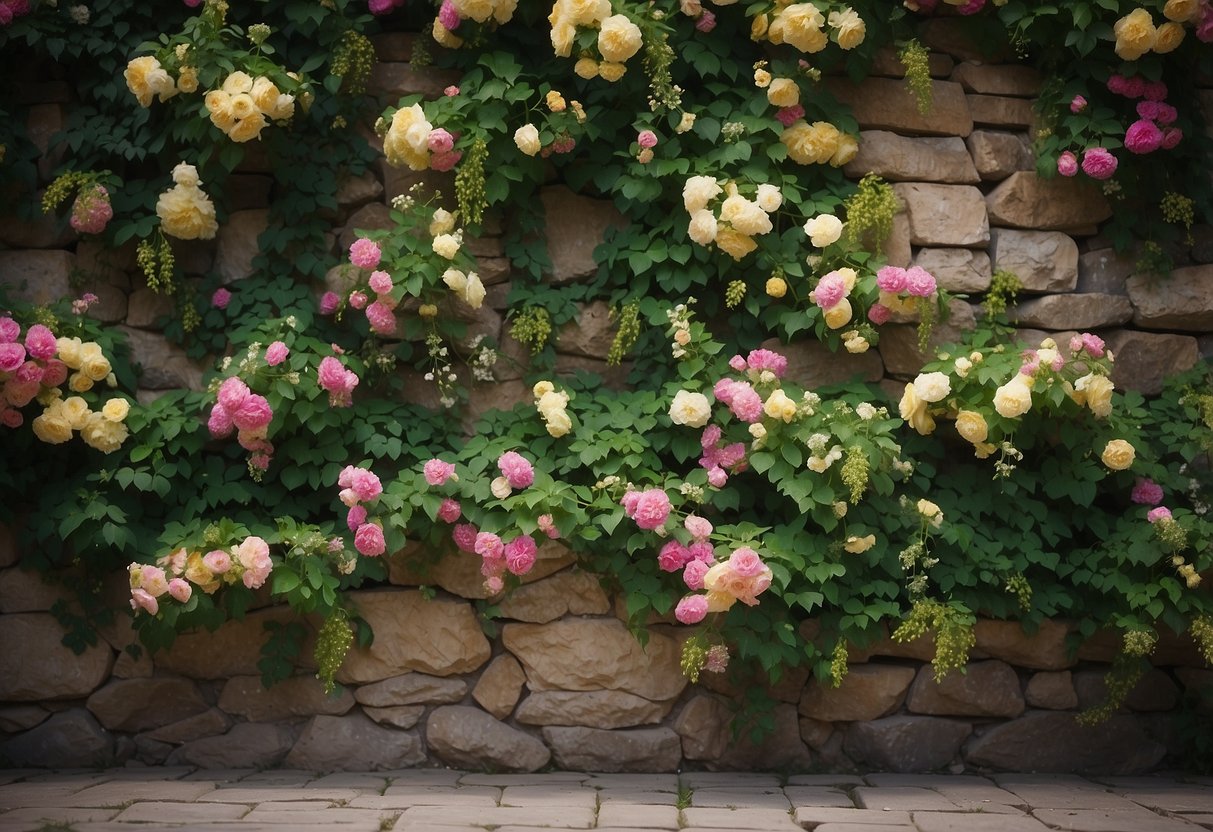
779	406
744	215
972	426
783	92
1135	34
503	11
839	315
1170	35
478	10
848	148
187	213
690	409
51	428
1118	454
248	128
758	27
1013	398
720	601
583	12
79	383
733	243
68	350
74	409
444	36
1181	11
446	245
396	146
197	573
856	545
526	138
703	227
555	101
914	411
930	511
619	38
849	26
777	287
609	71
100	433
443	222
563	33
586	68
96	367
800	25
116	409
542	388
823	230
1096	393
187	79
762	78
811	144
982	450
136	74
237	83
219	105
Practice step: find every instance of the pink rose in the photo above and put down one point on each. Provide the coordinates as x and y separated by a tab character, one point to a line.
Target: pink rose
10	330
547	526
879	313
91	210
520	555
1067	164
364	483
830	290
337	381
891	279
692	609
443	162
723	390
180	589
746	563
703	551
760	359
355	517
140	600
217	561
464	535
254	555
920	283
698	527
365	253
276	353
329	302
672	557
369	540
1160	513
380	282
12	356
448	16
1078	104
693	572
1154	90
253	414
1143	137
652	509
10	418
440	140
381	318
449	511
488	545
40	342
55	373
232	394
220	422
438	472
717	477
221	298
515	468
787	116
451	91
153	580
1171	137
357	299
1146	492
1098	163
746	404
706	22
737	364
646	138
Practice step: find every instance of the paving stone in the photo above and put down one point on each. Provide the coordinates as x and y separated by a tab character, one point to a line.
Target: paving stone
1110	820
1177	799
774	820
40	817
424	777
429	796
974	822
118	793
559	817
738	798
375	782
639	782
153	811
901	798
280	777
728	779
277	795
340	817
504	780
818	796
861	827
812	816
634	796
550	795
638	817
1065	793
826	780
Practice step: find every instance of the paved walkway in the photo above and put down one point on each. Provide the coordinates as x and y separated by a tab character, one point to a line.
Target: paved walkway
136	799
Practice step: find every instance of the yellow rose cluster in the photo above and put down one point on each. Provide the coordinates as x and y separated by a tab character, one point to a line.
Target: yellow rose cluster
104	430
803	26
551	404
818	143
733	225
244	105
1136	33
185	211
407	139
146	79
619	39
88	361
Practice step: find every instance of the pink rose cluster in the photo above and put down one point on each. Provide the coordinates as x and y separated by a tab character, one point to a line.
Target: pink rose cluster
27	366
516	472
1032	360
1153	129
649	508
496	558
380	313
743	577
437	473
758	362
1146	492
177	573
237	407
741	397
719	459
358	486
92	210
81	304
382	7
787	116
695	558
337	381
563	143
1089	343
12	9
897	286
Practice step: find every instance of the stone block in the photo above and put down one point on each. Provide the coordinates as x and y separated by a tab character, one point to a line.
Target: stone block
945	215
1087	311
1044	649
247	191
467	737
1182	300
996	154
812	364
459	572
886	62
570	592
1001	111
899	342
960	270
35	666
209	723
164	366
896	248
374	216
886	104
356	191
1156	691
593	749
237	243
1024	200
987	79
574	226
594	709
27	591
1052	690
17	718
906	743
246	745
39	231
296	696
1103	270
499	686
142	704
353	743
146	307
590	334
232	650
398	716
1053	741
1144	360
989	688
954	36
69	739
394	47
36	277
868	691
1044	261
392	81
901	159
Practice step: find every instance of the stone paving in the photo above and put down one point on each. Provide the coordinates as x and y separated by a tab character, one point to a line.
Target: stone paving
137	799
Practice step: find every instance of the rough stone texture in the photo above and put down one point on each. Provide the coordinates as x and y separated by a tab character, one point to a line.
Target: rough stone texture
394	47
901	159
1000	111
1155	691
24	591
1043	650
15	718
1022	81
207	724
1053	690
1183	300
868	691
897	247
1145	359
353	743
906	743
69	739
899	342
596	654
145	307
886	104
595	709
438	636
574	226
459	572
957	269
8	546
411	689
165	366
35	666
1171	649
886	62
467	737
954	36
589	334
988	688
247	745
398	716
810	363
1024	200
1198	686
1089	311
36	277
372	217
499	686
572	591
705	726
1052	741
41	231
237	243
996	155
297	696
1103	270
142	704
944	215
392	81
592	749
1044	261
355	191
232	650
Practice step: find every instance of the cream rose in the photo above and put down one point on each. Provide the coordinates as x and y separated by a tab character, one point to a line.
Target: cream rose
703	227
527	139
769	198
847	149
1180	11
396	145
733	243
779	406
745	216
823	230
698	192
52	428
857	545
972	426
811	144
685	123
1096	393
932	387
116	409
478	10
783	92
187	213
1170	35
799	25
611	71
1135	34
690	409
849	26
443	222
74	409
1118	454
1013	398
914	411
839	315
100	433
619	38
446	245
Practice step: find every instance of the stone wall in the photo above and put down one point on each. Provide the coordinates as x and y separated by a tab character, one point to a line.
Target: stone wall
565	684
